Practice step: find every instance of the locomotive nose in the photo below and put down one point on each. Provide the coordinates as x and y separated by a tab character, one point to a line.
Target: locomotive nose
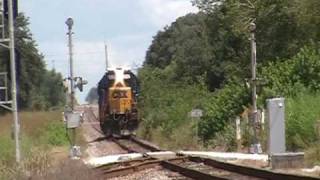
117	101
120	99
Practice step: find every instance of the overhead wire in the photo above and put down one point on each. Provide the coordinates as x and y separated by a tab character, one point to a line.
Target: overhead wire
82	53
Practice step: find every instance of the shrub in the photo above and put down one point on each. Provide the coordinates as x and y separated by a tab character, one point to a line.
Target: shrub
224	105
302	112
55	134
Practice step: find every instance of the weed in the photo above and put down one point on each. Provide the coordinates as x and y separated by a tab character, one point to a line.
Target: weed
312	155
55	134
40	131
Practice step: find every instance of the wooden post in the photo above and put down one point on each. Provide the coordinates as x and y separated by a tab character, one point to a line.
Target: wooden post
238	133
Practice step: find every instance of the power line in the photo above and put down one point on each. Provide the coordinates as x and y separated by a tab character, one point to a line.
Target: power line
79	53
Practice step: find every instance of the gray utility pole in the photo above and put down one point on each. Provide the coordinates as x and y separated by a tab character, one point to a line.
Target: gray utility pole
256	145
11	46
13	81
69	23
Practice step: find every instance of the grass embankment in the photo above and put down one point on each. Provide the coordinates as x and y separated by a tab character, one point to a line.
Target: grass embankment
302	129
43	141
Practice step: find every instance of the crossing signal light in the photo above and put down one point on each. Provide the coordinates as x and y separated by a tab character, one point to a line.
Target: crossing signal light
80	82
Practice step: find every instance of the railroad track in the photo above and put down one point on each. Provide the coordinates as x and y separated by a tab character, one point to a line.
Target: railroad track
92	118
180	167
130	144
194	168
133	144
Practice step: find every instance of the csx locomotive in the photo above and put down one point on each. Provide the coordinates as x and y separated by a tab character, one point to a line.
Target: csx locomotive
118	91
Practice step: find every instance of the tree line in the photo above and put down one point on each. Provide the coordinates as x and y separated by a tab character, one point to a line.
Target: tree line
37	87
202	60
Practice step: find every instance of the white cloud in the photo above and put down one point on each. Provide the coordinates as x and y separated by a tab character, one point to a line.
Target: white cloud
129	26
163	12
89	58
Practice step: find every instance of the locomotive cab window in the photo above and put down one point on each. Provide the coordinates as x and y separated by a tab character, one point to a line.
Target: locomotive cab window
120	94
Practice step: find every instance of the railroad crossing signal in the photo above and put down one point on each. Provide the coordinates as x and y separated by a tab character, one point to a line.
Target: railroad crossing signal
80	82
73	118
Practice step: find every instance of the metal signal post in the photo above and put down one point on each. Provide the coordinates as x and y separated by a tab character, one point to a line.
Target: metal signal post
13	81
8	10
73	118
74	150
256	145
69	23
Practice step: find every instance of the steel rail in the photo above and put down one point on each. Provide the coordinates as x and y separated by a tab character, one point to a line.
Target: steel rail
151	163
190	173
130	169
92	117
145	144
249	171
135	141
173	165
92	113
124	147
131	162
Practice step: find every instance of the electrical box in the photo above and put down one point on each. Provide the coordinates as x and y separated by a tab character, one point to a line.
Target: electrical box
73	119
276	128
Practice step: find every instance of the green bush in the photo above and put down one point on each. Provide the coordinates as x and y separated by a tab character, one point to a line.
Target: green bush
55	134
302	112
224	140
166	101
288	77
165	106
224	105
40	131
7	150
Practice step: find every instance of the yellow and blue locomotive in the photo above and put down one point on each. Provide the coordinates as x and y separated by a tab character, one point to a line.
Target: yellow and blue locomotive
118	91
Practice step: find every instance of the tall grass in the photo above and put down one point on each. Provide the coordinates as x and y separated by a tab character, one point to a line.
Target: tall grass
40	132
302	118
302	113
183	137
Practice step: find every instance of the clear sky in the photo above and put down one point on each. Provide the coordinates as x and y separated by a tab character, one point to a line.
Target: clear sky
127	26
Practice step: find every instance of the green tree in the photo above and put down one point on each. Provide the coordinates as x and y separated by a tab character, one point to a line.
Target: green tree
38	88
92	96
211	50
